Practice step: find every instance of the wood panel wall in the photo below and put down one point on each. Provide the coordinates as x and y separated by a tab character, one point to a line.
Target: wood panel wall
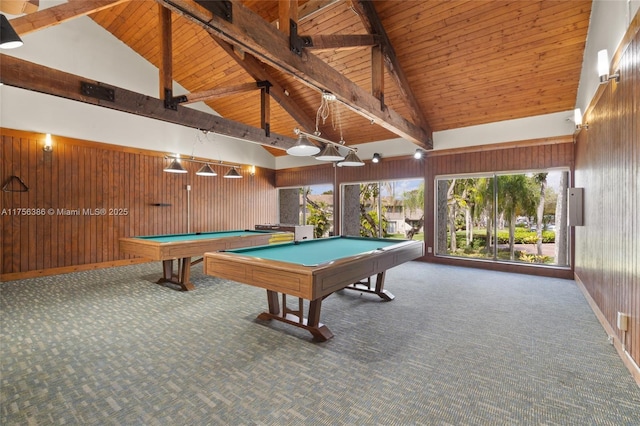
608	167
518	156
136	196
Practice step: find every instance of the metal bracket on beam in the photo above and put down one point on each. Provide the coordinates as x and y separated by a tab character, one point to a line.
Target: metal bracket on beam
221	8
265	85
97	91
264	106
296	42
171	102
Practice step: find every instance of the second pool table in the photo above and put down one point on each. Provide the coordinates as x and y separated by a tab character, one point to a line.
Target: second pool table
312	270
182	247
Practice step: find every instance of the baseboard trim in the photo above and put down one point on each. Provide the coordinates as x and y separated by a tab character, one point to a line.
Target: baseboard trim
631	365
67	269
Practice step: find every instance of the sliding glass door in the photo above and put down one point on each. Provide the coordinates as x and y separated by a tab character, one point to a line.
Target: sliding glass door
514	217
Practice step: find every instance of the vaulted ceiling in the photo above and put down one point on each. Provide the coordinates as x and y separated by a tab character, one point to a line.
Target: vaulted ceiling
397	68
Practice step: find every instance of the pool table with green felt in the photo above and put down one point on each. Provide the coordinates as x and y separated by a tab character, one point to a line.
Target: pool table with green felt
312	270
183	247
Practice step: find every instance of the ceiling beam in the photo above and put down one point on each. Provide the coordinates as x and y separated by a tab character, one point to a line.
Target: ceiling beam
259	72
55	15
17	72
249	31
371	21
165	68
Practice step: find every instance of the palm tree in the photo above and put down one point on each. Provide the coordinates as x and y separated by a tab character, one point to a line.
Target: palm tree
540	179
483	206
517	195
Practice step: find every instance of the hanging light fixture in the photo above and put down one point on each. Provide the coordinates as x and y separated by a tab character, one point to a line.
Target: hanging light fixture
206	170
9	39
376	158
233	174
303	147
418	154
351	160
330	153
175	167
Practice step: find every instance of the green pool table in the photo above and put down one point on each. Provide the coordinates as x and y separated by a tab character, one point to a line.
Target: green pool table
182	247
312	270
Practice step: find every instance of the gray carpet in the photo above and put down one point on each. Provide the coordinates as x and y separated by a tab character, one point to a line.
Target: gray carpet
457	346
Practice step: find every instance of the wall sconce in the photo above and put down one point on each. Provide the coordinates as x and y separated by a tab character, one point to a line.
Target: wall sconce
376	158
47	143
418	154
252	171
577	119
603	68
9	39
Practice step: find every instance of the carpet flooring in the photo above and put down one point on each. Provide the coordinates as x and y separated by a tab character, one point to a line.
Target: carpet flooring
457	346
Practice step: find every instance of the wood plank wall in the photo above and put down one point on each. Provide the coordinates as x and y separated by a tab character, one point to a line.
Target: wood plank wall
138	198
518	156
608	167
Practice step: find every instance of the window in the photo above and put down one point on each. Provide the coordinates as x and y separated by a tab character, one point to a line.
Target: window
517	217
308	205
384	209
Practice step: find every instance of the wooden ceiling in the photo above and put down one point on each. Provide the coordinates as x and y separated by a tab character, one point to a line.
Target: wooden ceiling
449	64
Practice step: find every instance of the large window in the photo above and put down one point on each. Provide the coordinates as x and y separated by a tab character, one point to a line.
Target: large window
517	217
308	205
384	209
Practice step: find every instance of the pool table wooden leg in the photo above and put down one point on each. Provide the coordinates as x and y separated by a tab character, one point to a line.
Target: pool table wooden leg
182	279
379	289
311	323
272	301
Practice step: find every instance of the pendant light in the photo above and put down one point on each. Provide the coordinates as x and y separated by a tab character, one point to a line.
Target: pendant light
9	39
330	153
303	147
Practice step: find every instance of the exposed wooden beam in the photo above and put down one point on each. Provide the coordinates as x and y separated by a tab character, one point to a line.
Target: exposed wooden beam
367	12
166	52
257	70
340	41
55	15
30	76
287	11
254	35
265	107
377	74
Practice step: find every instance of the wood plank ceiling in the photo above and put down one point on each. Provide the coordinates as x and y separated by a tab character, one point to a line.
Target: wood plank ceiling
459	63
